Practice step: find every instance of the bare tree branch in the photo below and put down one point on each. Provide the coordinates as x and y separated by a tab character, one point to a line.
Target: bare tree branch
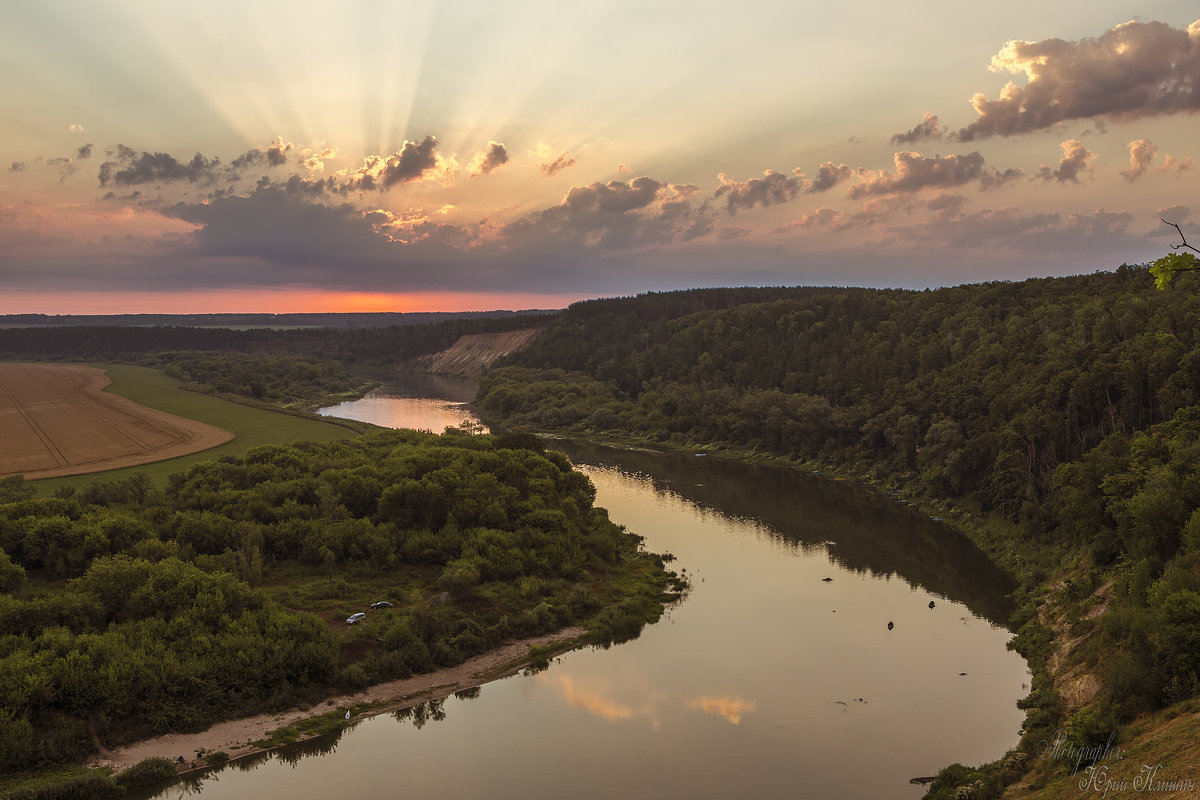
1182	238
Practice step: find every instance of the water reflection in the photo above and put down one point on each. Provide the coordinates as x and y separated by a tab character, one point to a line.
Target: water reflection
421	402
768	681
862	532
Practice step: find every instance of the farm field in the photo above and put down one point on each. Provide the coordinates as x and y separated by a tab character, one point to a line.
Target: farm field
55	420
251	427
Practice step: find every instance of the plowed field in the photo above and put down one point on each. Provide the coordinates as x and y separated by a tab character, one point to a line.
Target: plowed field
56	421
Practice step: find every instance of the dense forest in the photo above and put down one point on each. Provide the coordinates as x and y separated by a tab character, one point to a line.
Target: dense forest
386	346
129	609
281	380
1065	410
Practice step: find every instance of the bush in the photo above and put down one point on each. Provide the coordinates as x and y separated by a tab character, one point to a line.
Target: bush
146	772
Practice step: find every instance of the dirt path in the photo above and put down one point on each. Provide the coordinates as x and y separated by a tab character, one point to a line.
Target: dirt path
56	420
235	737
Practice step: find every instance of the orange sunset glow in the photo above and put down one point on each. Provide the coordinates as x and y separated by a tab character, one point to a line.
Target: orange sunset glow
219	157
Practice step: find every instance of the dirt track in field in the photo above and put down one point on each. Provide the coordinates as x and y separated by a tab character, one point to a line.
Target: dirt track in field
55	421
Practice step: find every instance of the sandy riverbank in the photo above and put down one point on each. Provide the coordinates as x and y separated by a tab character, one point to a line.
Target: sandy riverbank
235	737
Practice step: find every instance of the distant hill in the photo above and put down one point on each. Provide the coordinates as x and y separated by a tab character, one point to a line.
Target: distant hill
321	320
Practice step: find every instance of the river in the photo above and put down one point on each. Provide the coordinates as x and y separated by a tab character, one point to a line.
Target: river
768	680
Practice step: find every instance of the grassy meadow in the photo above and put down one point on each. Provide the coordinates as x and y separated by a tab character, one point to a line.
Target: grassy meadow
251	426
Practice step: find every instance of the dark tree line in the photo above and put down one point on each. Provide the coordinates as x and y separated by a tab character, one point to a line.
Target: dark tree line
1068	406
129	610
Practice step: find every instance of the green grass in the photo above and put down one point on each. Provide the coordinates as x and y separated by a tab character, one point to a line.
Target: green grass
251	426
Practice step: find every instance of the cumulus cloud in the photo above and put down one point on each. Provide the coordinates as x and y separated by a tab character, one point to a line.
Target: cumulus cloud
1141	153
274	155
563	161
774	187
1136	69
130	168
411	162
617	214
17	166
771	189
1141	158
85	151
828	176
491	158
928	128
915	172
75	128
1075	160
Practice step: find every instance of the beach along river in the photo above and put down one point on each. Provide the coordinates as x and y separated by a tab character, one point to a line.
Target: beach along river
768	680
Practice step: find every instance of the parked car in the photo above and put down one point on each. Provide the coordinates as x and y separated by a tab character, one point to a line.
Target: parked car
354	619
381	604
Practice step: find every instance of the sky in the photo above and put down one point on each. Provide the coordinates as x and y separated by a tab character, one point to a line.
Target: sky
416	156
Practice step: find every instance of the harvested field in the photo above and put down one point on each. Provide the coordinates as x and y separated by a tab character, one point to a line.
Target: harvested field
56	421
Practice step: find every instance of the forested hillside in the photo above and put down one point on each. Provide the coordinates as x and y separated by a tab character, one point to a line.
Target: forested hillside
1065	410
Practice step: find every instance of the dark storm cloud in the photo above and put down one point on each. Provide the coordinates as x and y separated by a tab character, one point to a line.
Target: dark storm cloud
85	151
129	168
278	228
1136	69
1076	159
928	128
491	158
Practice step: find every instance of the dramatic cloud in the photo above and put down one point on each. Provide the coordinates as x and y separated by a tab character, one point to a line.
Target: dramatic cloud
74	128
563	161
828	176
929	128
85	151
771	189
492	157
994	179
915	172
1075	159
616	214
1133	70
411	162
774	187
274	155
129	168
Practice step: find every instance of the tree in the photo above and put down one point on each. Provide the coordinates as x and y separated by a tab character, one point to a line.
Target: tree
1165	268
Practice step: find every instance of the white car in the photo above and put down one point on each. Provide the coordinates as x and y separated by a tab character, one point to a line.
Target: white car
354	619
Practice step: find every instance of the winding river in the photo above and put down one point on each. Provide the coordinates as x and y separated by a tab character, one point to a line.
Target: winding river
778	675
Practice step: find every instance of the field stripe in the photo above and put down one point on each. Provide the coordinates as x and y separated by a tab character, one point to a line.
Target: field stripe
54	452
